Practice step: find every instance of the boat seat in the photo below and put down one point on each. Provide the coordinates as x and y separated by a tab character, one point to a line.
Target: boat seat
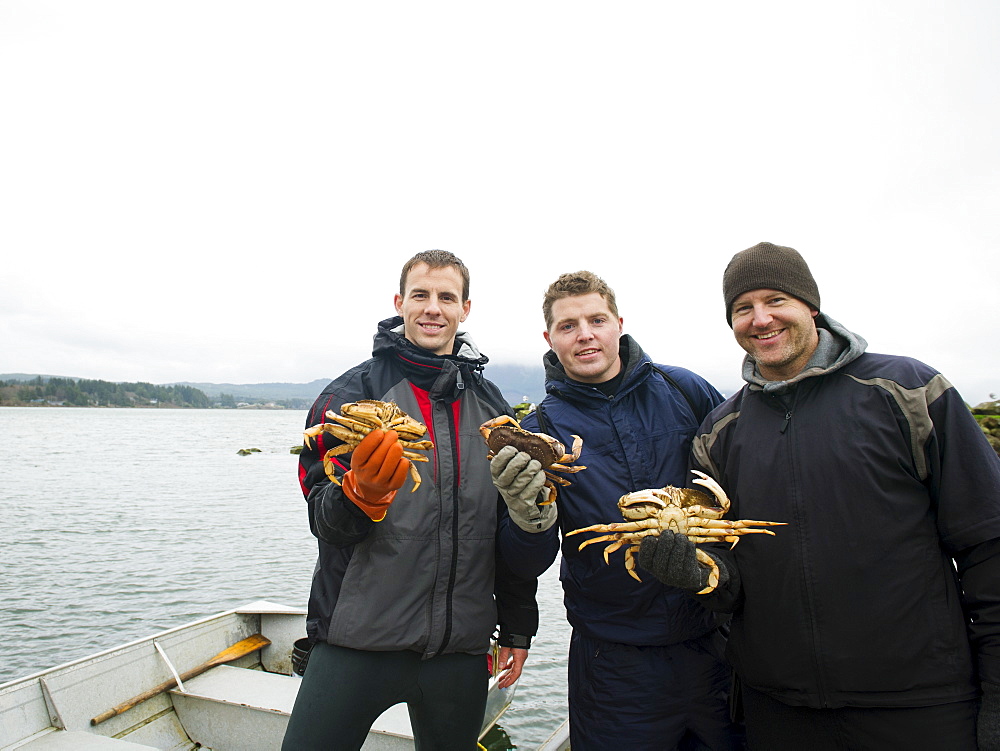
77	740
213	710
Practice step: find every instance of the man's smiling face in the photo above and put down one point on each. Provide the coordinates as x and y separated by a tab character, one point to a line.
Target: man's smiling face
432	307
584	335
777	330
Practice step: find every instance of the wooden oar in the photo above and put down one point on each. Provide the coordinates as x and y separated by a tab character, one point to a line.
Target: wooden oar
239	649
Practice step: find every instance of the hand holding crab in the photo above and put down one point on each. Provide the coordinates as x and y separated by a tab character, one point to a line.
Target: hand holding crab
519	478
358	419
691	517
550	454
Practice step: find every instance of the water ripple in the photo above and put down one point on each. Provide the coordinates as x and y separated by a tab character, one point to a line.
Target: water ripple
141	520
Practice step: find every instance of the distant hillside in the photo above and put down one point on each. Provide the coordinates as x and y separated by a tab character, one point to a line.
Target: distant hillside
517	383
83	392
252	392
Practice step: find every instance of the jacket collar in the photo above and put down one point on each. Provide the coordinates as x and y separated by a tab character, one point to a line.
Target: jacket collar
635	363
443	375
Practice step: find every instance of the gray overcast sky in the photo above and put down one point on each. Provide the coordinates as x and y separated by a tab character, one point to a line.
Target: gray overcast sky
225	191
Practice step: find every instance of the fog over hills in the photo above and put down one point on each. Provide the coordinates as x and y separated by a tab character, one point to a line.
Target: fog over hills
516	382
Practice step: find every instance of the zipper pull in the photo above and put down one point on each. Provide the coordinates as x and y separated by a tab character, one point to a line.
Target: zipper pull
788	416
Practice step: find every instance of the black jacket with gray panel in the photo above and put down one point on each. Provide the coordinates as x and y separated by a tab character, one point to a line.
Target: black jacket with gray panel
884	588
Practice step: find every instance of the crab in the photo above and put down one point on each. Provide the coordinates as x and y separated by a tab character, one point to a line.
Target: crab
550	453
684	510
358	419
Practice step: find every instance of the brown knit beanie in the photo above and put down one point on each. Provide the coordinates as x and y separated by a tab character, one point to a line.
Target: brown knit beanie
768	266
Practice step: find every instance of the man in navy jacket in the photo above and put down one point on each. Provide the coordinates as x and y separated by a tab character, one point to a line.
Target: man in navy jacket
645	662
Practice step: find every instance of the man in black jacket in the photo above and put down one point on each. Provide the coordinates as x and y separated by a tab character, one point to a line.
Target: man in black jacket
871	621
409	586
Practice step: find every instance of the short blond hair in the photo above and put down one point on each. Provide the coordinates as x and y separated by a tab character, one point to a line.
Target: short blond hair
574	284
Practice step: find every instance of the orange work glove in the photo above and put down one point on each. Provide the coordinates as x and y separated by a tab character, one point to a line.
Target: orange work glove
377	471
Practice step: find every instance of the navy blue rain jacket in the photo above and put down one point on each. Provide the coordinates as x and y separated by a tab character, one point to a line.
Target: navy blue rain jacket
639	438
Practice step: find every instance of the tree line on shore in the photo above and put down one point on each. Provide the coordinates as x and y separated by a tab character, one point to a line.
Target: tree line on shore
96	393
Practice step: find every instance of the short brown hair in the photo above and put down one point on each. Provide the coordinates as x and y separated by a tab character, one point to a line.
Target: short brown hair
574	284
436	259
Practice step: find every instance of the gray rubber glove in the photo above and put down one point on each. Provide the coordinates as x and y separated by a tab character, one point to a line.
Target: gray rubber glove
670	557
988	721
520	479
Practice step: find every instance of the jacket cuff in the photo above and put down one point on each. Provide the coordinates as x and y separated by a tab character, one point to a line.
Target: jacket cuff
516	641
374	510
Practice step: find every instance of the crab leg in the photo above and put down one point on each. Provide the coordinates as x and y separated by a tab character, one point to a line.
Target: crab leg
418	445
556	479
611	549
618	527
630	562
713	571
708	482
415	476
415	457
486	428
562	468
574	453
619	538
724	531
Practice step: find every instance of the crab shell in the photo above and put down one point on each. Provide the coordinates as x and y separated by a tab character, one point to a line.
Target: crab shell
366	414
546	449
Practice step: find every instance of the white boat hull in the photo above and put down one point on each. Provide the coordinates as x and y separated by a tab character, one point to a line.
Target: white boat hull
239	706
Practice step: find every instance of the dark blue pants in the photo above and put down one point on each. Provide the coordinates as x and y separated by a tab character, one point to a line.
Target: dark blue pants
345	690
663	698
774	726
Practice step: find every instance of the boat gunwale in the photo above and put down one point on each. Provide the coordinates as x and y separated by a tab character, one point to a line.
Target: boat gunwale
257	607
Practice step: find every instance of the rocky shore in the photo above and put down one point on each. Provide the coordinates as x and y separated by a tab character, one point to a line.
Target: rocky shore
987	415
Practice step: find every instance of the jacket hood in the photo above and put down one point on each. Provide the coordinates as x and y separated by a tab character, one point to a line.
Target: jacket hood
837	347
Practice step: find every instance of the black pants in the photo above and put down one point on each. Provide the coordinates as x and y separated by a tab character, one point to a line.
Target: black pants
774	726
345	690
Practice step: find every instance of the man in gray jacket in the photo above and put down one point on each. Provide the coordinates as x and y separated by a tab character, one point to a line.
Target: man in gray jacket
871	621
409	586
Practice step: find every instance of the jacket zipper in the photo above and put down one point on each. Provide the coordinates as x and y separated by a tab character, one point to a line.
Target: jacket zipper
807	583
453	566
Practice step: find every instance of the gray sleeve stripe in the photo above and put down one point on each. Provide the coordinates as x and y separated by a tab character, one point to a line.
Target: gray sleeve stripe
703	443
914	404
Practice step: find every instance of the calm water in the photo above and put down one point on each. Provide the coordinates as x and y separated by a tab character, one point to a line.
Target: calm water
120	523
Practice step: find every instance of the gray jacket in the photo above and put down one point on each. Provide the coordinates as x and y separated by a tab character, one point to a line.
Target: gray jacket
427	578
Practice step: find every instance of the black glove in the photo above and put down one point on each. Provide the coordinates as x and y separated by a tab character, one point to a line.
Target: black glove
988	721
670	557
